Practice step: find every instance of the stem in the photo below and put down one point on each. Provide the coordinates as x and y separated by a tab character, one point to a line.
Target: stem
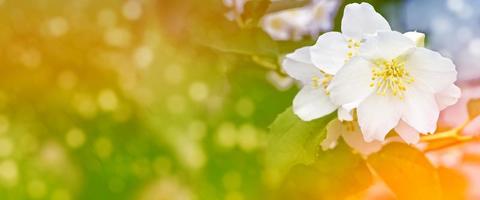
448	138
446	134
460	140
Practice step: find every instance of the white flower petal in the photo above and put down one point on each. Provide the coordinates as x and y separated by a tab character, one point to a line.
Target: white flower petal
296	23
417	37
407	133
299	66
377	115
344	114
448	96
352	82
334	130
386	45
322	14
421	110
351	106
360	19
430	69
330	52
301	55
312	103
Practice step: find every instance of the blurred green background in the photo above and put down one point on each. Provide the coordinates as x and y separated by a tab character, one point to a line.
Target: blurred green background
99	101
139	99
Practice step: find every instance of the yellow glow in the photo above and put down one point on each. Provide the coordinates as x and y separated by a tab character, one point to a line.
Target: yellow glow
143	57
75	138
132	10
57	26
247	137
226	135
8	172
198	91
6	147
4	124
107	100
245	107
118	37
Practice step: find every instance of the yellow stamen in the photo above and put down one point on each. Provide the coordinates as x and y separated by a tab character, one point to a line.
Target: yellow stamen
390	77
353	47
317	81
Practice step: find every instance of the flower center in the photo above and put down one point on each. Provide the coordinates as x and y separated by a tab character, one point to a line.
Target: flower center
390	77
353	47
322	82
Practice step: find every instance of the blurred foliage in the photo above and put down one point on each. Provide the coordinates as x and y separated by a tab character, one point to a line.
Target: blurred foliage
101	102
336	174
254	11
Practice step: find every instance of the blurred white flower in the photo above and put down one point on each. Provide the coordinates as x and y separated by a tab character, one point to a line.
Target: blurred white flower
351	134
295	23
235	8
398	86
279	81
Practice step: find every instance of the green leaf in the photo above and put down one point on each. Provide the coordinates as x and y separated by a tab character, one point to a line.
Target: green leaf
285	47
407	172
336	174
293	141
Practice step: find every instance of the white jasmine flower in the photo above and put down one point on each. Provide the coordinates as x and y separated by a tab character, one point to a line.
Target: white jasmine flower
354	138
293	24
334	49
351	134
397	86
315	66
